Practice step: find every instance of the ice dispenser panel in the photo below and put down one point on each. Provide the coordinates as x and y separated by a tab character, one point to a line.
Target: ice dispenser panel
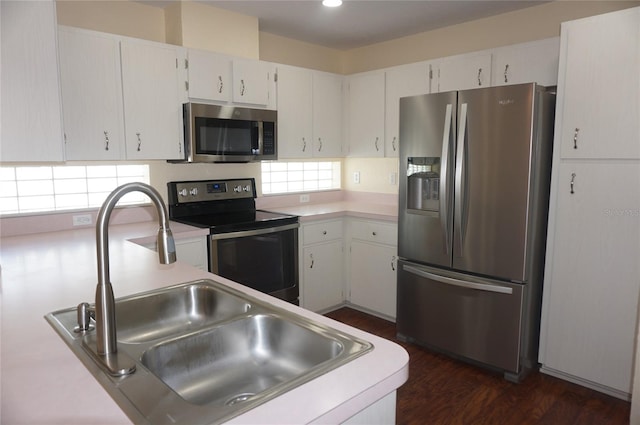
423	184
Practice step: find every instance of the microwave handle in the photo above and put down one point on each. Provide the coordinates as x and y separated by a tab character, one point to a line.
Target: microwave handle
260	140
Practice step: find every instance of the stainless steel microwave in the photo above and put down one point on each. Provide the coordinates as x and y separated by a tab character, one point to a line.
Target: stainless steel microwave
214	133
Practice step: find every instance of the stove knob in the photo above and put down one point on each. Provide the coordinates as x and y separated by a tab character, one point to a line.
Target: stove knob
193	191
182	192
237	189
247	188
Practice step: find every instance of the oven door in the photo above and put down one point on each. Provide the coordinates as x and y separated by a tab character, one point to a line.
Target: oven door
263	259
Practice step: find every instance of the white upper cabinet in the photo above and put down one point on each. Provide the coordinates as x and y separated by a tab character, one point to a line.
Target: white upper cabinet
250	82
31	113
463	72
152	101
91	95
534	62
400	81
327	115
366	114
209	76
599	89
295	88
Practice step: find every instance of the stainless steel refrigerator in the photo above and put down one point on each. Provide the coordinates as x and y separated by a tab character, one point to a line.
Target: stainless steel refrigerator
475	168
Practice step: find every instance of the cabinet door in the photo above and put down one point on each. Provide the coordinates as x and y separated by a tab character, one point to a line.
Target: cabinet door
295	87
593	274
366	115
322	276
193	251
373	277
91	95
209	76
250	82
327	115
599	87
527	62
463	72
406	80
31	117
152	107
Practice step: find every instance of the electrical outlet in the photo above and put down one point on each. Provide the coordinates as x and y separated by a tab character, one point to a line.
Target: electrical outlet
356	177
304	198
82	220
392	178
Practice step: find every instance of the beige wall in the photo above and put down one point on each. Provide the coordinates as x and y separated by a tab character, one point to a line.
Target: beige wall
374	174
209	28
524	25
274	48
117	17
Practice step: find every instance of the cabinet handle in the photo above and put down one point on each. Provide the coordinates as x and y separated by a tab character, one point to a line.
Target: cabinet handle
575	138
393	143
319	144
179	147
241	87
376	144
304	145
374	233
106	140
139	141
65	138
324	232
479	75
506	69
393	266
220	84
311	257
573	178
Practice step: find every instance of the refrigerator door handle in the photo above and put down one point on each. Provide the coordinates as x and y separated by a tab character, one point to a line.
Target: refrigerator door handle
460	188
456	282
444	180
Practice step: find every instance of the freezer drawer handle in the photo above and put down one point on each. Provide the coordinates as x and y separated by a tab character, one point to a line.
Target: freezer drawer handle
455	282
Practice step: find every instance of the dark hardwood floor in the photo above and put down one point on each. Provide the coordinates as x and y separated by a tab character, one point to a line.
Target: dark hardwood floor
441	390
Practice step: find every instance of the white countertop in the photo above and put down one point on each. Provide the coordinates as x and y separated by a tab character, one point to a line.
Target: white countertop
43	382
323	211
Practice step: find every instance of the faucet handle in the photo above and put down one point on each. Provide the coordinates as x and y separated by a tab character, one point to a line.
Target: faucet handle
85	314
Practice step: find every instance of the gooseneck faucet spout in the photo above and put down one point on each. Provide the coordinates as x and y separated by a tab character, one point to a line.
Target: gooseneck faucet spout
106	345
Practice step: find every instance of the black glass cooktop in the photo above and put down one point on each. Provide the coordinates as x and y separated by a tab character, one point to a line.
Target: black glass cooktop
238	221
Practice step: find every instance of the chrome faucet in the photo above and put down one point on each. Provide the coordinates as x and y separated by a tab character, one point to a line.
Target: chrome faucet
105	312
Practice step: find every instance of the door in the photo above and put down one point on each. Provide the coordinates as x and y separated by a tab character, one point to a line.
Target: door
427	131
479	320
295	88
366	115
492	181
323	282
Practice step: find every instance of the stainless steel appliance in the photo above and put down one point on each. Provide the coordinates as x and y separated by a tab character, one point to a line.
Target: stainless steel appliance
475	168
214	133
256	248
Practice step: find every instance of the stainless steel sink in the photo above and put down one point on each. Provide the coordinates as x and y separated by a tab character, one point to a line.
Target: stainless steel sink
234	362
174	311
205	353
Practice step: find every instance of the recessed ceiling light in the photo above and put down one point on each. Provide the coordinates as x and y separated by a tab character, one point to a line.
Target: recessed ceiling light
331	3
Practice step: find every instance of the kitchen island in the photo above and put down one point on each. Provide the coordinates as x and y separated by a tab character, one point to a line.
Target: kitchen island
43	382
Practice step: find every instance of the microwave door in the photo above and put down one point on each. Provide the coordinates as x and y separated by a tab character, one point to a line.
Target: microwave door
427	151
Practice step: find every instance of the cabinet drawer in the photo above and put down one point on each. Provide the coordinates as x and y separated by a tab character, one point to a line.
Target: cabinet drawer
374	232
320	232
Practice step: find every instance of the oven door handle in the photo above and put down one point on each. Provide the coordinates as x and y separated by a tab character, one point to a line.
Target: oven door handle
253	232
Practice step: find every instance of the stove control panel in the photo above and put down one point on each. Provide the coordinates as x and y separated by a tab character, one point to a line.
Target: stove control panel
210	190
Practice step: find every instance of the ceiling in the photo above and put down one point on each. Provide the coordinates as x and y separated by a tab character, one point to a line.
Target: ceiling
359	23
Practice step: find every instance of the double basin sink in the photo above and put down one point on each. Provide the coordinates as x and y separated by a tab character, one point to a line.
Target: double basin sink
205	352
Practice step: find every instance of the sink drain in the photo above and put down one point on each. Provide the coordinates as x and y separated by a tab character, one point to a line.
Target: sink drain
239	399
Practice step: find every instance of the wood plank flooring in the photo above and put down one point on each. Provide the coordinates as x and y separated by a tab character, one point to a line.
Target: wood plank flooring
441	390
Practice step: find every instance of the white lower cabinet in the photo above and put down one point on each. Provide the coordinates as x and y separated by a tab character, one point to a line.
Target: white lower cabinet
592	279
372	266
321	263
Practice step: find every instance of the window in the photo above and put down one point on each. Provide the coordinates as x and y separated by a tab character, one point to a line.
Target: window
38	189
286	177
